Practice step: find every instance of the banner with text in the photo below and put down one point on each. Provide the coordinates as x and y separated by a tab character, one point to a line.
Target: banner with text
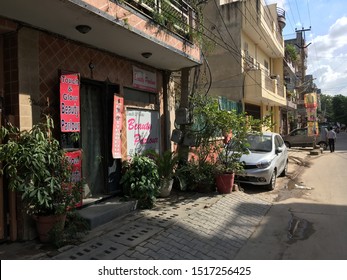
145	80
143	131
118	105
70	102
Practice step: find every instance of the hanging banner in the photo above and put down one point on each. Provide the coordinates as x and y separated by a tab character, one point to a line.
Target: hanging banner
311	114
118	105
143	128
75	158
310	100
70	102
145	80
312	128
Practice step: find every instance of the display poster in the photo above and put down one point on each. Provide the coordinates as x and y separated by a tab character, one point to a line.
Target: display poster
144	80
75	158
312	128
310	100
143	131
70	102
311	114
118	105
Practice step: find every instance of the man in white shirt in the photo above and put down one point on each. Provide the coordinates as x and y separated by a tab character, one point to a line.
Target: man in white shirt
331	139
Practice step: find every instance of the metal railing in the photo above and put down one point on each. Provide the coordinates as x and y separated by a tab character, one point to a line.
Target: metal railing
176	15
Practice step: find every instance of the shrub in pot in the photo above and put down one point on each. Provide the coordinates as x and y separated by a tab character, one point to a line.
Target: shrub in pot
140	180
166	165
36	167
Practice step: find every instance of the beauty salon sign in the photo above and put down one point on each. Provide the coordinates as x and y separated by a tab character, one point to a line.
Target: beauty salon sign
144	80
143	132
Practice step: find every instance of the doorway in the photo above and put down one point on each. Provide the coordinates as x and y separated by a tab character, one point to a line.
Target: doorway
101	173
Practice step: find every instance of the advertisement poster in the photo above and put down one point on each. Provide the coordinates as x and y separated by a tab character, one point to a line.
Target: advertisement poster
311	114
75	157
70	103
118	105
143	131
145	80
312	128
310	100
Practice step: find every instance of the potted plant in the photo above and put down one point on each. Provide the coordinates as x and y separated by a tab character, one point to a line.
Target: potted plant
140	180
37	168
166	165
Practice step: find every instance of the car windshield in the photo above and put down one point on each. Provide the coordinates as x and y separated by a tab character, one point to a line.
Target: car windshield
259	143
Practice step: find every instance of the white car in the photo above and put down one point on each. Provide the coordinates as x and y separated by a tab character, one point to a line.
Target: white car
267	159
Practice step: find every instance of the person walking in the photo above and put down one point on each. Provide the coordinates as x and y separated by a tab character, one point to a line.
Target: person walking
331	139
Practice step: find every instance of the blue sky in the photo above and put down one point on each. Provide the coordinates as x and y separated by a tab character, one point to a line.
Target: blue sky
327	53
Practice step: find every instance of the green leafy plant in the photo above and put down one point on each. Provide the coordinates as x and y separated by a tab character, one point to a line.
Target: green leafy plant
166	162
141	180
36	167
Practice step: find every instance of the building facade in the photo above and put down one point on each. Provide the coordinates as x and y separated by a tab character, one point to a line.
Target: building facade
121	52
247	61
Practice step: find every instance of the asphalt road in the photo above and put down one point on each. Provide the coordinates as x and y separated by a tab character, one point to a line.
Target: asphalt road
308	221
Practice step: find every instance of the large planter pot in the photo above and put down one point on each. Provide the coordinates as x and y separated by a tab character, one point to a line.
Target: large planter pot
225	183
165	187
44	224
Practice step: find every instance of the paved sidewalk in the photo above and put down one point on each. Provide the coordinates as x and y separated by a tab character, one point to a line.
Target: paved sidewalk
204	227
183	226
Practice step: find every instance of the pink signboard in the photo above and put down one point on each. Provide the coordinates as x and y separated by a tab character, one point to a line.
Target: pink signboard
145	80
70	102
75	158
118	104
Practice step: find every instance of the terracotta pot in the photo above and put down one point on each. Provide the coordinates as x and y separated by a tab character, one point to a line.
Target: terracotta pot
44	224
225	183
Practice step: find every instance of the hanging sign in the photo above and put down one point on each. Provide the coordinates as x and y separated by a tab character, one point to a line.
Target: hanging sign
145	80
75	158
118	105
311	114
312	128
70	102
310	100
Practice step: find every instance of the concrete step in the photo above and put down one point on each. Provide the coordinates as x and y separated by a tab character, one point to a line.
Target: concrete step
102	212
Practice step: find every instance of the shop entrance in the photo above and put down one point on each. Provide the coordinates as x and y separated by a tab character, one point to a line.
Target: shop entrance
101	173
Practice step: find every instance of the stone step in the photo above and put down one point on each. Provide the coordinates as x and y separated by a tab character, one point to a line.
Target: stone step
102	212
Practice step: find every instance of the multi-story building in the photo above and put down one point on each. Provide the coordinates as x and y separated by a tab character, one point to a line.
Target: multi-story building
247	61
119	51
289	113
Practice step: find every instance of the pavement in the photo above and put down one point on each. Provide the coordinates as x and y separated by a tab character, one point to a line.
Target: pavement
184	226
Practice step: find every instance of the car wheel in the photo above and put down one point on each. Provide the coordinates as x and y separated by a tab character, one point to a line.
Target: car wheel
287	144
272	184
323	145
285	170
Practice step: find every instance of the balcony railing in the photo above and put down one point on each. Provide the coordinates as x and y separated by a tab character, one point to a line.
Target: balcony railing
176	15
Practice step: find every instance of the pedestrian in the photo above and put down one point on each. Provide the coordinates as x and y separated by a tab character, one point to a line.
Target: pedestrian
331	139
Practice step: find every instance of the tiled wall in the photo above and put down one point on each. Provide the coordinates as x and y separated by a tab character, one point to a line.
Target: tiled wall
10	44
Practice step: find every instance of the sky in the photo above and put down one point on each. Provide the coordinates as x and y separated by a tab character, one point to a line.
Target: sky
327	36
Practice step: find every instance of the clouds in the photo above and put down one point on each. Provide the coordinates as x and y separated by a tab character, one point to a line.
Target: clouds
327	58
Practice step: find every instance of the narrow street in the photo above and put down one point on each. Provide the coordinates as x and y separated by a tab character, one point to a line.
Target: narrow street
308	221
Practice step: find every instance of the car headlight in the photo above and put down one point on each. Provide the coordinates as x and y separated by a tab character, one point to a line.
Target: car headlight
263	164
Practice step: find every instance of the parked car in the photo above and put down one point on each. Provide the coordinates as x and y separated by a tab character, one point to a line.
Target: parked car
267	159
299	138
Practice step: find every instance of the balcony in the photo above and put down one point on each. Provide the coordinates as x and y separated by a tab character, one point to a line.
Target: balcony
259	87
263	25
127	28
